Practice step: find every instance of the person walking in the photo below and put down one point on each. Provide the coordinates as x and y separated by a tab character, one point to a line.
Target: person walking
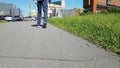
42	5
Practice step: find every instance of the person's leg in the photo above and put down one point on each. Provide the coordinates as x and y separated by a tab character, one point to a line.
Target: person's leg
45	10
39	12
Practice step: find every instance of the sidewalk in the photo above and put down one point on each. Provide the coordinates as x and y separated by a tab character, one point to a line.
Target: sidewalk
23	46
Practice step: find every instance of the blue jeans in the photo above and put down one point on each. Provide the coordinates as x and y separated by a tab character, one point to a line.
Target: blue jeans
42	6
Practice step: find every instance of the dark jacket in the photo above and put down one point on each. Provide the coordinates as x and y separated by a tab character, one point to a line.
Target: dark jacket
42	0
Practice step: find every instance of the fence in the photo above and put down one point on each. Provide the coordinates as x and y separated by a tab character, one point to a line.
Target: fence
72	12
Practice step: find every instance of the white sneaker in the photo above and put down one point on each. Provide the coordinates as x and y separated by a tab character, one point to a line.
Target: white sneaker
39	27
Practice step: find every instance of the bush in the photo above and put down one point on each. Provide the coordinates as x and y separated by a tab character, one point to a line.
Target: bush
111	10
83	13
114	10
101	29
105	11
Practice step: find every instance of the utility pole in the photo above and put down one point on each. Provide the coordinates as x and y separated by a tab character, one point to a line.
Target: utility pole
13	9
94	6
29	3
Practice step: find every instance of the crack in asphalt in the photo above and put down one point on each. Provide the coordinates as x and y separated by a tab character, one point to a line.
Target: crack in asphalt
54	59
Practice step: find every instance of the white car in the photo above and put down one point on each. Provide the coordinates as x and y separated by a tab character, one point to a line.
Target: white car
9	18
29	19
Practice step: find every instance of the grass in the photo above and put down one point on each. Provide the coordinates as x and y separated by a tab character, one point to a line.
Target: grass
3	21
101	29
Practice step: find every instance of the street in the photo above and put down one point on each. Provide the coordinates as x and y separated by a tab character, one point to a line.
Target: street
24	46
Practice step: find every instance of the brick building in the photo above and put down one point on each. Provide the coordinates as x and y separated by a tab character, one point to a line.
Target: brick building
96	5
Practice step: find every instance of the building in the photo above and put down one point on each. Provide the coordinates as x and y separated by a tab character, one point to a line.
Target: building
96	5
7	9
55	8
58	4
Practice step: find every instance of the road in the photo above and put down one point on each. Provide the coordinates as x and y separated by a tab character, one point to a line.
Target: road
23	46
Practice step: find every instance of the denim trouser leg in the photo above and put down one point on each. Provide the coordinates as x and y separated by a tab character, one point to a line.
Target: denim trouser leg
39	14
45	10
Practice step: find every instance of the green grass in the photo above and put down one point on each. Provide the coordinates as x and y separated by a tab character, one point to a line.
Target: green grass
3	21
101	29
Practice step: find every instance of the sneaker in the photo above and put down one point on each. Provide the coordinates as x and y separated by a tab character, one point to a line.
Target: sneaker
34	25
44	25
38	26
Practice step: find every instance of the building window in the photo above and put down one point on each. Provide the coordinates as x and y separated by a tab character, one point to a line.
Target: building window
109	0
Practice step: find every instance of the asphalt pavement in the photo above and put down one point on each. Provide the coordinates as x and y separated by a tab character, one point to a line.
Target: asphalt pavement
24	46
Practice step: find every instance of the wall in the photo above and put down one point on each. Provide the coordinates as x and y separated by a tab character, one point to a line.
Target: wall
112	2
101	2
115	2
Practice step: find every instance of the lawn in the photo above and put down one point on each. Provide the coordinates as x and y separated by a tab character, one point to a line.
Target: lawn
101	29
3	21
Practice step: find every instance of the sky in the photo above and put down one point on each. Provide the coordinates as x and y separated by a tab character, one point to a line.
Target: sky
24	5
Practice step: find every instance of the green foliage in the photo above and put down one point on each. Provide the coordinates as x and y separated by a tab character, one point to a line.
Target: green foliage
101	29
3	21
84	13
114	10
105	11
111	10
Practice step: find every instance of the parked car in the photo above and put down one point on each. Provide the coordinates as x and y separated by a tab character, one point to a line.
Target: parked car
29	18
10	18
18	18
2	18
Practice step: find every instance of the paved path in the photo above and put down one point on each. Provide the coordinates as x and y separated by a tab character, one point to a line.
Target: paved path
23	46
